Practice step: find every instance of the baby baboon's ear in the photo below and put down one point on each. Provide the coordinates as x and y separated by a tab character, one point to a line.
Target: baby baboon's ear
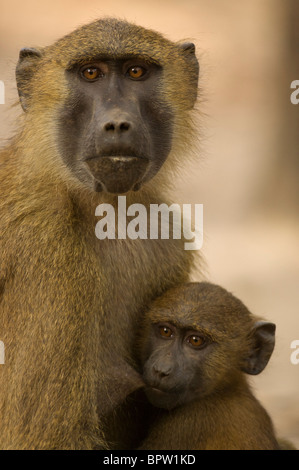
263	341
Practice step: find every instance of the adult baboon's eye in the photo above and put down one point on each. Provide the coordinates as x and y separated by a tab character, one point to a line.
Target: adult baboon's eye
136	71
165	331
196	341
91	73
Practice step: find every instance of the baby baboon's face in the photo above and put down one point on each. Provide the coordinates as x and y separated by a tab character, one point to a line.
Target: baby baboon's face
197	339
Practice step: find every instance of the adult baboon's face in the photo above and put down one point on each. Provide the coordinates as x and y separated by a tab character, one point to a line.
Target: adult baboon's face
116	91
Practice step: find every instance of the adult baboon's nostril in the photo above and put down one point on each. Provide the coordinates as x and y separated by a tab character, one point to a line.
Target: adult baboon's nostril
110	126
117	126
124	126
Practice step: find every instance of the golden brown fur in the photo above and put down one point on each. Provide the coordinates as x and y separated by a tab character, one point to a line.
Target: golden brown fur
70	303
203	398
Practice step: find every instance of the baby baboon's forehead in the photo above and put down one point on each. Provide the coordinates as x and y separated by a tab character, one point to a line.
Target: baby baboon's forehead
202	306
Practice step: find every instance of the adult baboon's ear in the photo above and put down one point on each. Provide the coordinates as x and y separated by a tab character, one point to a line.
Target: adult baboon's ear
192	64
28	60
263	341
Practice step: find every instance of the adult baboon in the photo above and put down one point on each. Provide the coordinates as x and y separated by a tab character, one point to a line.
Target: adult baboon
107	111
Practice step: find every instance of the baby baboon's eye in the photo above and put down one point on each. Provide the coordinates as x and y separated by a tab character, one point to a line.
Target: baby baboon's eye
196	341
165	331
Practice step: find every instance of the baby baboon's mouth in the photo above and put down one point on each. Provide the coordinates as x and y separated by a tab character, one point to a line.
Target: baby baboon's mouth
161	398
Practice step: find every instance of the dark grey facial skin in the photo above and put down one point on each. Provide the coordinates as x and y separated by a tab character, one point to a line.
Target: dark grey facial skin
115	128
171	370
181	364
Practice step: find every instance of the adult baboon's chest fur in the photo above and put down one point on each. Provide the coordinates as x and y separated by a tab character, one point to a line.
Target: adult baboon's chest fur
72	300
107	111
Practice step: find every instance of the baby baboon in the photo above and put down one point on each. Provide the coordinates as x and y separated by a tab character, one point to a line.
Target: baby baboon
107	111
196	342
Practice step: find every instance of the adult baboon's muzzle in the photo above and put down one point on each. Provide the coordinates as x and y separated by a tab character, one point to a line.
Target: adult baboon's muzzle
118	174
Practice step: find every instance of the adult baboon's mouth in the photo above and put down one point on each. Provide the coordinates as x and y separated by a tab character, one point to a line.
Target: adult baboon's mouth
118	173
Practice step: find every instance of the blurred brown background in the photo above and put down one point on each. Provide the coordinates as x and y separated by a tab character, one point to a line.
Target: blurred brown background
247	175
